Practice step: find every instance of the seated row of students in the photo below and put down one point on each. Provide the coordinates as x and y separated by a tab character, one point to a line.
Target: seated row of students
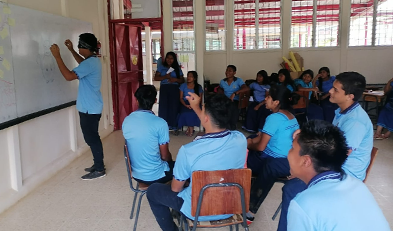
316	157
385	118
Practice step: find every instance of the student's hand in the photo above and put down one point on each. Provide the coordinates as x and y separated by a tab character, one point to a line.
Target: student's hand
256	108
318	76
55	50
249	142
194	100
69	45
172	80
232	96
188	106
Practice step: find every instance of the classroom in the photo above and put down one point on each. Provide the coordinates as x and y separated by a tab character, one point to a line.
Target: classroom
44	151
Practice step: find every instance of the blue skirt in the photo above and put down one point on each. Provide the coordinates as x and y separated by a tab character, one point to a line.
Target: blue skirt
385	118
188	118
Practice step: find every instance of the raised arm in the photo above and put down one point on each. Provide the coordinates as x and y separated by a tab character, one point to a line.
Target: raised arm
70	47
67	74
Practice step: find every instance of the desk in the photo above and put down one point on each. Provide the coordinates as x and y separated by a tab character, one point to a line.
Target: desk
373	96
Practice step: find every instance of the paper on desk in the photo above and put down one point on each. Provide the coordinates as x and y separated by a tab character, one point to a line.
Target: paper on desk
170	70
376	93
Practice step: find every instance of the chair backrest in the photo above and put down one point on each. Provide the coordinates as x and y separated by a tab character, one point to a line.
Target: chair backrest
220	200
244	97
374	153
303	101
128	162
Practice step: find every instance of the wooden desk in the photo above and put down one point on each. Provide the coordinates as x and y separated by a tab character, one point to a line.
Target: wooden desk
374	96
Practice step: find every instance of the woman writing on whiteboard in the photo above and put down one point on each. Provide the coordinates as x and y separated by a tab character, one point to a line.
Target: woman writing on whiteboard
89	101
171	76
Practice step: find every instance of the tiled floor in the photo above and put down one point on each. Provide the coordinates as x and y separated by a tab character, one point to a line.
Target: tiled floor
66	203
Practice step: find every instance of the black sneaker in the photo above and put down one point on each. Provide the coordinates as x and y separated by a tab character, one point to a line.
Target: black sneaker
93	175
91	169
250	220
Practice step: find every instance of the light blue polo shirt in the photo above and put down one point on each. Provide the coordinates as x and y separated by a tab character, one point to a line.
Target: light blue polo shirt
185	90
280	129
300	82
358	131
214	151
163	69
144	133
331	204
230	89
259	91
89	99
326	85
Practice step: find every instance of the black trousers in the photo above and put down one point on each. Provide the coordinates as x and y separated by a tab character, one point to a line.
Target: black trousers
89	125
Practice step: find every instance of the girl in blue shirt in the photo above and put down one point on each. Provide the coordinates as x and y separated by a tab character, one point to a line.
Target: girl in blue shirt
257	112
170	75
324	82
187	116
284	78
385	118
268	151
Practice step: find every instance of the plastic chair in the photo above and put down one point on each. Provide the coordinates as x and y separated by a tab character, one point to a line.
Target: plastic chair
140	187
219	192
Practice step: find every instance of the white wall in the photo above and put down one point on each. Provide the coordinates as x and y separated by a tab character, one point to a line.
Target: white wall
35	150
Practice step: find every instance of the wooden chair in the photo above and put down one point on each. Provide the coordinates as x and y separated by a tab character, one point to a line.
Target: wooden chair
244	98
301	107
140	187
374	153
219	192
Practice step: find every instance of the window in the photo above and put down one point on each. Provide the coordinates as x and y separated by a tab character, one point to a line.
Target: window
257	24
315	23
363	31
215	25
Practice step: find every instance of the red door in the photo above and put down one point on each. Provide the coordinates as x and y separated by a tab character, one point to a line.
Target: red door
127	67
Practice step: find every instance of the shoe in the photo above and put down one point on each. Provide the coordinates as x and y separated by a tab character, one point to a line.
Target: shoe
250	220
93	175
91	169
176	132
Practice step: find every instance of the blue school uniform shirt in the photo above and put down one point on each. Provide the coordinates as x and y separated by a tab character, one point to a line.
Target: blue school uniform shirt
259	91
163	69
290	87
358	131
214	151
333	204
300	82
144	133
280	129
89	99
185	90
230	89
326	85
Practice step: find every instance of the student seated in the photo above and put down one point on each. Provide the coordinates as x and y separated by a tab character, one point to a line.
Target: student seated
187	116
257	112
304	83
218	149
232	87
284	78
333	200
324	82
268	151
357	127
147	138
385	118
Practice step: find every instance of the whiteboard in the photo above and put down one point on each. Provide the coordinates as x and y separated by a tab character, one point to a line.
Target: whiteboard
31	79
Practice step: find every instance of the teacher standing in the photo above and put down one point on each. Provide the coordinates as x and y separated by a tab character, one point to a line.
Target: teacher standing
89	101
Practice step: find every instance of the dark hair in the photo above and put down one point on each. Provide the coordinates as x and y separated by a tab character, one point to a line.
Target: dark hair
288	80
175	65
320	78
146	96
233	67
273	78
196	85
263	73
91	41
308	71
218	106
325	144
353	83
284	96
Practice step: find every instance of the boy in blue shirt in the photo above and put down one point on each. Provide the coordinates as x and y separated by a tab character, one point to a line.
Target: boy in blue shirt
89	101
232	87
147	138
333	200
218	149
358	131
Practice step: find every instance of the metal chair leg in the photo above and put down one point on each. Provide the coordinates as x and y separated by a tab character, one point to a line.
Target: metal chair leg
138	210
277	211
230	228
133	205
237	227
